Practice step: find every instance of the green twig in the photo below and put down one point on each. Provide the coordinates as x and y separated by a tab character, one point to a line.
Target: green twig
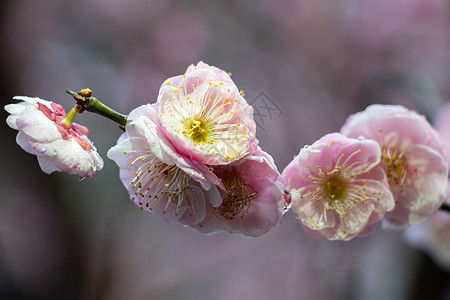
85	101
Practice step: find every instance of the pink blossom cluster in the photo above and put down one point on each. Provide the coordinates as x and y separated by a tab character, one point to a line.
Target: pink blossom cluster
386	164
193	158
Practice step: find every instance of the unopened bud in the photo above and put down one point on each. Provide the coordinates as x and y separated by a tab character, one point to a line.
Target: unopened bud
85	92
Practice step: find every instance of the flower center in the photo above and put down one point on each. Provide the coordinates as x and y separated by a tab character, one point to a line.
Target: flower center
156	183
335	188
198	129
66	128
238	198
396	166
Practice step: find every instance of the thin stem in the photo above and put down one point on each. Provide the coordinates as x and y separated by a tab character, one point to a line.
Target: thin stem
67	121
86	102
98	107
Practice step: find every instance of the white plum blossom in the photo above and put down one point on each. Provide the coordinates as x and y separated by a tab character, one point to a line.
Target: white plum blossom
158	178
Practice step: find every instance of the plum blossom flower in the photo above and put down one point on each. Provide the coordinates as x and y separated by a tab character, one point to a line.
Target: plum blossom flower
338	188
158	178
59	145
252	197
206	117
412	155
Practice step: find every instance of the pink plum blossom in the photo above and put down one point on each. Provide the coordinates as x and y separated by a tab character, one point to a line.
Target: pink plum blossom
205	116
338	188
252	201
412	156
58	146
158	178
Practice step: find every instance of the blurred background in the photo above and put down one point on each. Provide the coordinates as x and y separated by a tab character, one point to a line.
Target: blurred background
305	65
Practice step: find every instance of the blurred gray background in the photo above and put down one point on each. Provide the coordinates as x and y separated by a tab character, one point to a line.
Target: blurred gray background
305	65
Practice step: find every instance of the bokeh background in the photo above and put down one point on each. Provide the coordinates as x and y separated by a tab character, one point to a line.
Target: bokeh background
316	61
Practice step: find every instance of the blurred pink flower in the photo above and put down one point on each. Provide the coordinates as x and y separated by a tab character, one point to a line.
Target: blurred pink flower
158	178
412	156
58	147
338	188
253	199
433	236
205	116
442	125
